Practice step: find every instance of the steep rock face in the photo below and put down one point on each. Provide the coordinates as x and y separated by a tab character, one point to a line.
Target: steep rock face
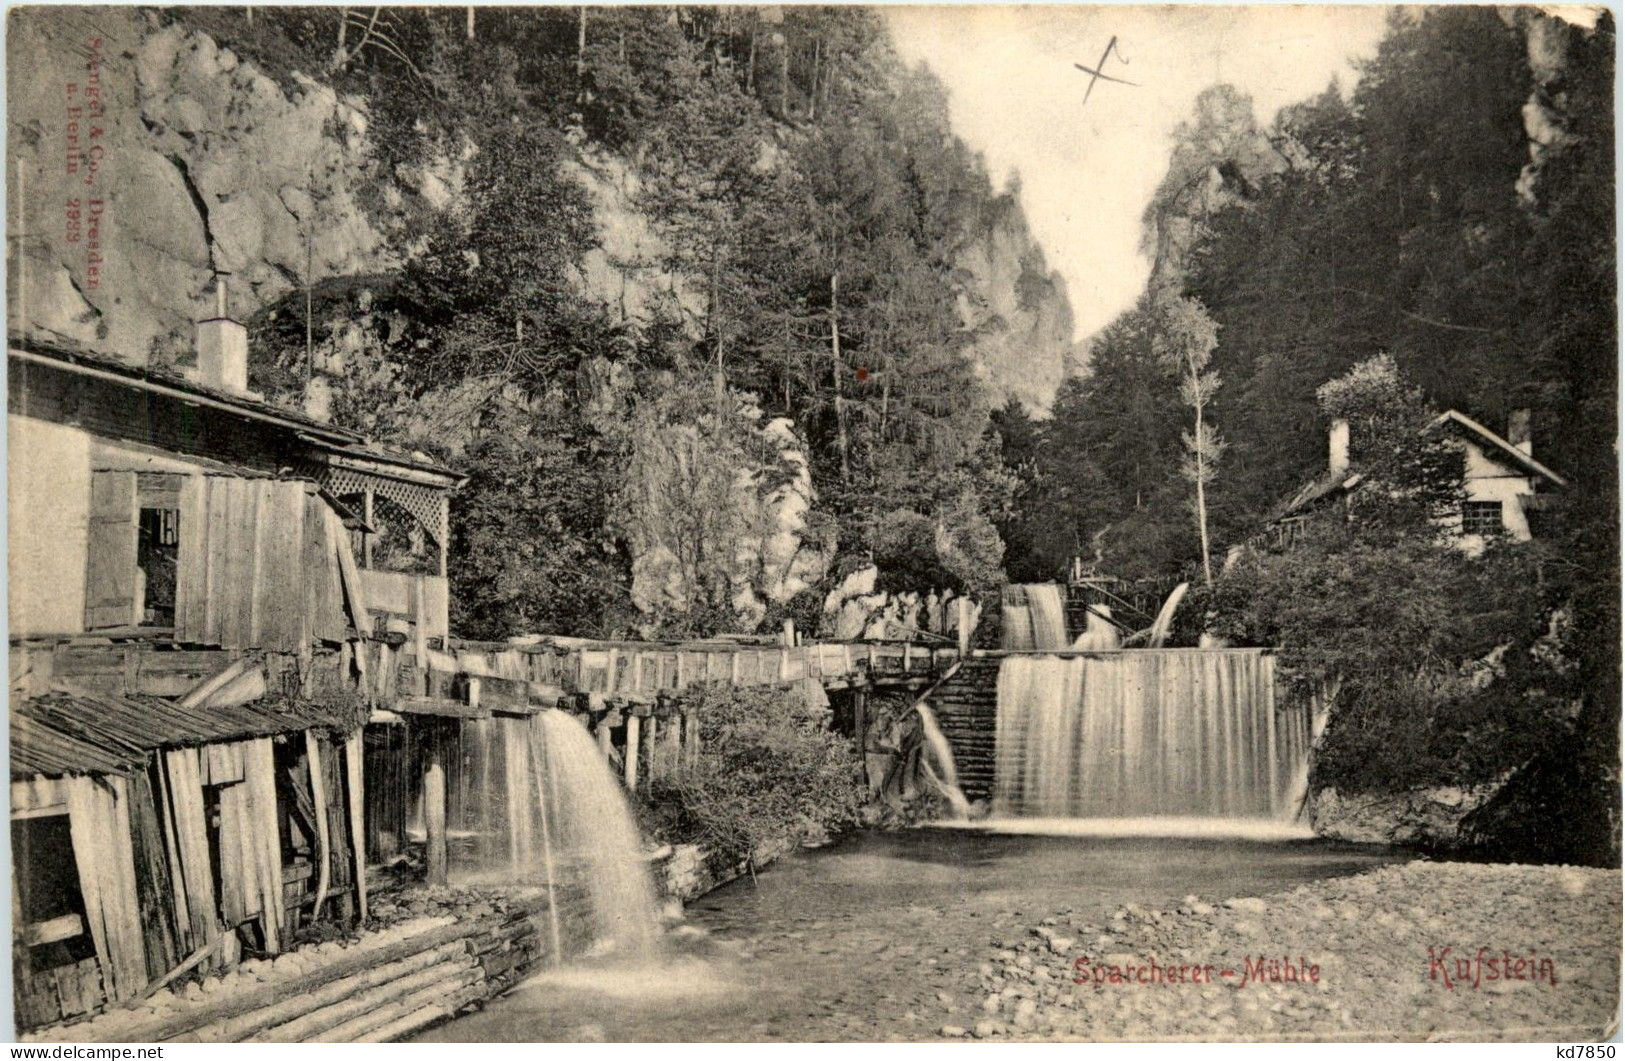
855	608
717	516
626	269
1546	115
1016	310
183	159
1219	156
189	160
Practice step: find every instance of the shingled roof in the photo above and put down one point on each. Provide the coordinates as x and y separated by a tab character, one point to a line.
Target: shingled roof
63	732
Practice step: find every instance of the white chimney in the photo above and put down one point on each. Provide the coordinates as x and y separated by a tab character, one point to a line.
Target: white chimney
1518	431
222	347
1337	447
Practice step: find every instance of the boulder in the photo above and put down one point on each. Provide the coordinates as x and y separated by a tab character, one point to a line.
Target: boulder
1430	817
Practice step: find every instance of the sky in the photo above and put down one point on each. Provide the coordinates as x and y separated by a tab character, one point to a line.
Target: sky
1088	171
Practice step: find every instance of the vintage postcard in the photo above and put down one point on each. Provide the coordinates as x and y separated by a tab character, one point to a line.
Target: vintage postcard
793	523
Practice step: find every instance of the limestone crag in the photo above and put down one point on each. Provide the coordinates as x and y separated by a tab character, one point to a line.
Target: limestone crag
855	609
1430	817
1015	309
189	160
719	517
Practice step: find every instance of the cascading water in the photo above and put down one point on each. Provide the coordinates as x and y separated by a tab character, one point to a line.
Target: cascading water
542	807
1034	617
945	776
589	835
1146	734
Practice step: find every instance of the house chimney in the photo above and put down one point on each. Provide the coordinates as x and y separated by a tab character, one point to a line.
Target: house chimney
1337	447
222	346
1518	431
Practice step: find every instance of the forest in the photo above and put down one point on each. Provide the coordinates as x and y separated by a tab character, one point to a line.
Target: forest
797	396
809	200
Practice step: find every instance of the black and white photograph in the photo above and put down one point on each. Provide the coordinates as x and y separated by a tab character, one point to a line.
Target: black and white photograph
861	523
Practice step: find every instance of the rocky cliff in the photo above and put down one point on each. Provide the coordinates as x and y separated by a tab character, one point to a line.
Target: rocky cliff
1220	155
146	156
1015	308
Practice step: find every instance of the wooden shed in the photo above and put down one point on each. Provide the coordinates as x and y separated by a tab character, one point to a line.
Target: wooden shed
155	836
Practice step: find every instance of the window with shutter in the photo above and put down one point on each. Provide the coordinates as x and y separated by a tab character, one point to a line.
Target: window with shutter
111	597
134	547
158	548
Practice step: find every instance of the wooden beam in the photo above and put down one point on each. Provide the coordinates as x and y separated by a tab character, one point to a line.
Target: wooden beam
631	756
57	929
358	833
318	799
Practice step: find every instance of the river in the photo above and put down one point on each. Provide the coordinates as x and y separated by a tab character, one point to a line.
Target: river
880	936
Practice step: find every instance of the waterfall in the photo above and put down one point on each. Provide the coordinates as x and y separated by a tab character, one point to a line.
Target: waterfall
946	775
1146	733
1034	616
589	833
538	805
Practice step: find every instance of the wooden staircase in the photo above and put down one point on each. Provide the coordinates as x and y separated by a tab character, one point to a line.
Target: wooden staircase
966	706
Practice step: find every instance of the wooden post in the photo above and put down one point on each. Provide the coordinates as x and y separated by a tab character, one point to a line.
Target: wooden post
434	809
860	727
318	799
631	763
367	535
789	633
674	743
603	734
420	637
963	606
356	783
648	747
445	532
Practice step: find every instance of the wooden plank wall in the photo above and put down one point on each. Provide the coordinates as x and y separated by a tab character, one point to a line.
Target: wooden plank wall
258	565
98	815
147	867
183	776
395	596
47	994
388	780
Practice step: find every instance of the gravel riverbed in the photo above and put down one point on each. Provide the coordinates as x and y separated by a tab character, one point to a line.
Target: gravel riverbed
1424	950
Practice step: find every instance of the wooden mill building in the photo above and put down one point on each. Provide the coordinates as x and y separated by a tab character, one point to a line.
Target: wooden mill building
202	585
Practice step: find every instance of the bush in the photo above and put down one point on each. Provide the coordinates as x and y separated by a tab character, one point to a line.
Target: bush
1451	669
769	767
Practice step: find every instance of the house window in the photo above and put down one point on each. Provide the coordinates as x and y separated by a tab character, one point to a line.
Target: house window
1481	518
133	549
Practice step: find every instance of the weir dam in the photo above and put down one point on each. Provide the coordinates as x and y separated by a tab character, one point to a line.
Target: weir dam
1135	733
